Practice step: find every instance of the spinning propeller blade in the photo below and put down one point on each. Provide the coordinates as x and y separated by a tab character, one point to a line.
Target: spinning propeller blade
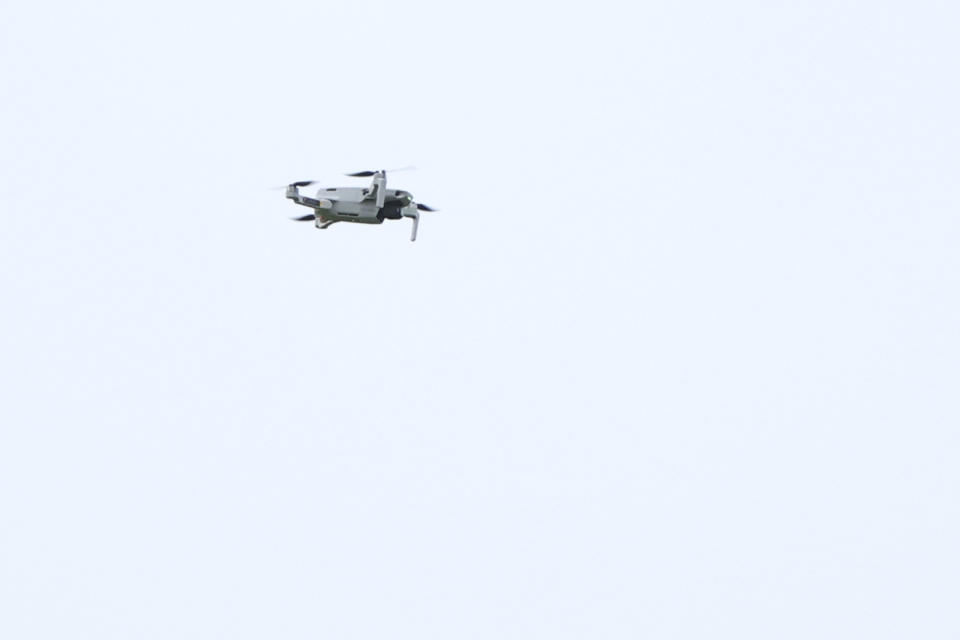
301	183
358	174
307	218
367	174
423	207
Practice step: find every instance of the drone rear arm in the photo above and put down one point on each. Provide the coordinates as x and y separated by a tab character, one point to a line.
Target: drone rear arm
294	194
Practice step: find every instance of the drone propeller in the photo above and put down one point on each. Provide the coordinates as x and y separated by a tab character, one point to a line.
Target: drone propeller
367	174
301	183
307	218
423	207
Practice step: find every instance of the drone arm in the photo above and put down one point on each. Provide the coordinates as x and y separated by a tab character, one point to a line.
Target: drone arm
381	187
378	189
294	194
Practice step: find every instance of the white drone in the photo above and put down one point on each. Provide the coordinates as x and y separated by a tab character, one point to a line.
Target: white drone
372	205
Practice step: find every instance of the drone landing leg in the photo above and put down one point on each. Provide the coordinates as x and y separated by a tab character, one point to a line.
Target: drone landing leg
324	225
411	212
413	231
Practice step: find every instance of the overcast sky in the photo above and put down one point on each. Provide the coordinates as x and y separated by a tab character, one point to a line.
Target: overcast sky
678	357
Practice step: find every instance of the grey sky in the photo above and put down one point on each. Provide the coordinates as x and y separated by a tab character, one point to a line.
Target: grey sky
678	357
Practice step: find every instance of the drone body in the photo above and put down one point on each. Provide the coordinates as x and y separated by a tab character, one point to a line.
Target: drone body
370	205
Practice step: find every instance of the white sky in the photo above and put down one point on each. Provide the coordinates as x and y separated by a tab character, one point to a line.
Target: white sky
677	359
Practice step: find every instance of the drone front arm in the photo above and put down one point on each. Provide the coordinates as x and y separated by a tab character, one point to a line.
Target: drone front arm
378	188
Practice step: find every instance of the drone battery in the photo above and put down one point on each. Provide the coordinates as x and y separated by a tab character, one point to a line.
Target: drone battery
357	212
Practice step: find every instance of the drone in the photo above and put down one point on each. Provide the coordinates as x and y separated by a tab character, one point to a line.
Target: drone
371	205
